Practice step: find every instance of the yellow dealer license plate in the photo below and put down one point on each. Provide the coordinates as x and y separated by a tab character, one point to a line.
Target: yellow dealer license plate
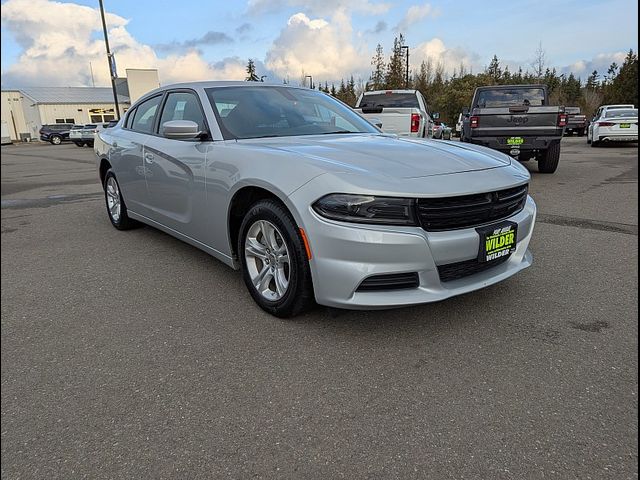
515	141
625	125
497	241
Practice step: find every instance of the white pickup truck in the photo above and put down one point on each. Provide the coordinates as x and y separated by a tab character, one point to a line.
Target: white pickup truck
403	112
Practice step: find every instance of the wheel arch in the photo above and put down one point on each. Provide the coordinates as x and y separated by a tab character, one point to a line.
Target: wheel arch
241	201
104	167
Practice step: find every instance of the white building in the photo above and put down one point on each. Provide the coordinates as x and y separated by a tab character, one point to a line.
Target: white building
25	110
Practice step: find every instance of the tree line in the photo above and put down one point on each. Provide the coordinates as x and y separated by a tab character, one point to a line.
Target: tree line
449	94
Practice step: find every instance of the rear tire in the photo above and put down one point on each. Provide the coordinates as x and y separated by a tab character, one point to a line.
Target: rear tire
116	208
581	132
79	144
548	163
298	294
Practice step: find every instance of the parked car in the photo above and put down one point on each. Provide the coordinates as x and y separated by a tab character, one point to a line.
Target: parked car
83	135
458	129
518	120
55	133
441	131
614	125
600	113
576	122
403	112
75	135
312	202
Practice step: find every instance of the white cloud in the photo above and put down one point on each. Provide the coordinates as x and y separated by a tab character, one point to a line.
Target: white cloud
414	14
321	48
601	63
439	53
319	7
58	46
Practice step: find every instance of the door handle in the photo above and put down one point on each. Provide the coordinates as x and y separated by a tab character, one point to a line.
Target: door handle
148	157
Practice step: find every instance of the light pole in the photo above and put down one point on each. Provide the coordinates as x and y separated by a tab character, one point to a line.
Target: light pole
406	80
310	80
112	62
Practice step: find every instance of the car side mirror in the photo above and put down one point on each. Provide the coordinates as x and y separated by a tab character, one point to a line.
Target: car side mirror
180	129
465	111
376	121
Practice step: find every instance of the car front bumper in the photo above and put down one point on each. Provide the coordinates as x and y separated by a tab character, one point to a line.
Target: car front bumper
345	254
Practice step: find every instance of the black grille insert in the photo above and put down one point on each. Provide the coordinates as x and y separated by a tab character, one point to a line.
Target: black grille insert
458	270
395	281
467	211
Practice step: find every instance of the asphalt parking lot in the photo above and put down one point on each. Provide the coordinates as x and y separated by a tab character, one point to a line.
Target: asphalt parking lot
133	355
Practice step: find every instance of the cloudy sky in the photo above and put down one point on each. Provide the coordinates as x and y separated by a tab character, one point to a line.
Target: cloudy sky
53	43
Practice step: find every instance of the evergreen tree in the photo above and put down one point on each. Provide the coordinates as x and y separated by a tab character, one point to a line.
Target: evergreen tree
251	72
624	87
379	67
395	77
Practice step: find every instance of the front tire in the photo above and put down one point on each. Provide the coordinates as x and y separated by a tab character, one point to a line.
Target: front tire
548	163
116	208
55	140
274	262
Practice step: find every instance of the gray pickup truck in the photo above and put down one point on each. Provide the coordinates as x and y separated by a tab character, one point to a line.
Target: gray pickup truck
516	120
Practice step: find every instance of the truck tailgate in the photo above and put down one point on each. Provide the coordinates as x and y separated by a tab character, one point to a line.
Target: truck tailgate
394	119
512	121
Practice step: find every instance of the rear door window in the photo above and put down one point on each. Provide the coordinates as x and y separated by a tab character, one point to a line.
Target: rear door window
145	115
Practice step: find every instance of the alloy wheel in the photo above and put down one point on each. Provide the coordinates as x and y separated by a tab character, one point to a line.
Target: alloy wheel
113	199
267	259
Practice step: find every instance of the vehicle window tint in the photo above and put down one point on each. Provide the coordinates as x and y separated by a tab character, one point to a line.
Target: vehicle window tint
506	97
621	113
182	106
572	110
145	115
399	100
273	111
130	116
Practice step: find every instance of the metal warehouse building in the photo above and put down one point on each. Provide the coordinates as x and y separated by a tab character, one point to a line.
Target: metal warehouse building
25	110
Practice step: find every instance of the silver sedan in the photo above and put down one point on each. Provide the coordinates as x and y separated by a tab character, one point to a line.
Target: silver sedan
310	201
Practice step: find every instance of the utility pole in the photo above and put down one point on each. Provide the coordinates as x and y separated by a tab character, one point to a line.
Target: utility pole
406	80
93	82
310	80
112	62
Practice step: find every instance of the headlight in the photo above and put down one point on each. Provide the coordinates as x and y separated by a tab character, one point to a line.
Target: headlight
367	209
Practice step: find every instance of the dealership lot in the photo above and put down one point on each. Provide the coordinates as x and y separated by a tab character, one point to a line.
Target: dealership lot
131	354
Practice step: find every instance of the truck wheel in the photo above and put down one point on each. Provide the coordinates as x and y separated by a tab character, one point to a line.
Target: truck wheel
548	163
79	144
581	132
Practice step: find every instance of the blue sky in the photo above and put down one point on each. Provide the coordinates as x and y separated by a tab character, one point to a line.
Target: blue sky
329	39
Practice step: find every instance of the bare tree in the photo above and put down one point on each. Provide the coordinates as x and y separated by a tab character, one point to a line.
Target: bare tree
539	62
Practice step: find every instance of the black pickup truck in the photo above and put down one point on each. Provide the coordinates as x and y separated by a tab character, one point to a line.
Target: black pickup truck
576	122
516	120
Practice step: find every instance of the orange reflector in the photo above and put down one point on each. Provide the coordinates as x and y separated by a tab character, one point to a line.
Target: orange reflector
306	243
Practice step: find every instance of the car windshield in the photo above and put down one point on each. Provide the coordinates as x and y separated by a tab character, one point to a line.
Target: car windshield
507	97
258	112
620	113
572	110
390	99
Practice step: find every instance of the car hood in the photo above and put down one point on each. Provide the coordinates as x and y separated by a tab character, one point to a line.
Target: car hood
386	155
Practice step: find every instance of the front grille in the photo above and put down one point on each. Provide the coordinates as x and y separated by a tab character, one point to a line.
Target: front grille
458	270
395	281
450	213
